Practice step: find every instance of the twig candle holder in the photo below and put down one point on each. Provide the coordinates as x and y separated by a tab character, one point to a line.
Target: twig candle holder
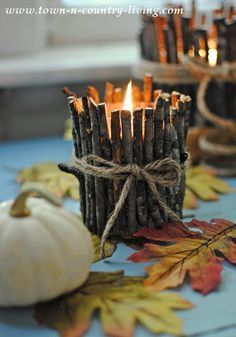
225	72
129	161
166	38
166	41
218	145
218	151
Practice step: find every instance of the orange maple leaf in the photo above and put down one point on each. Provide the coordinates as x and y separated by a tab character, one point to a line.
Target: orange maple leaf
196	249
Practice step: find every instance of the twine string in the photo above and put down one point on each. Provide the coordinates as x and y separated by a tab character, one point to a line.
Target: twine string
205	73
165	172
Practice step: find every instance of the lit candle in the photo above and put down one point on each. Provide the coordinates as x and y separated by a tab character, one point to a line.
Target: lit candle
203	46
128	98
128	105
212	57
109	131
202	53
208	50
212	53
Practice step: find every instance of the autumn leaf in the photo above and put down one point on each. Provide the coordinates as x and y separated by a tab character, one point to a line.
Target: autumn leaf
109	247
47	173
197	250
68	129
202	184
121	301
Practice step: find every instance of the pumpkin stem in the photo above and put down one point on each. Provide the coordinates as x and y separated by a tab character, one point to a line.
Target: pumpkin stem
19	208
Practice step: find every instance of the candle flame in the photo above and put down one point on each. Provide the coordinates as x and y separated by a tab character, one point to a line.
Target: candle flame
212	53
202	53
128	98
212	57
191	53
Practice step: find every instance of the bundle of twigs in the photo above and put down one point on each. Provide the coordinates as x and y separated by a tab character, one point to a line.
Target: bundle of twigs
166	38
210	37
155	129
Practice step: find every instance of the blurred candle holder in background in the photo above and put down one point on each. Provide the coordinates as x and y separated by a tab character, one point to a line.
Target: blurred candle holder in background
167	40
195	52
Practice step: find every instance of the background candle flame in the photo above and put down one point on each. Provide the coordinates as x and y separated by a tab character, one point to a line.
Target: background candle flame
212	57
202	52
212	53
128	98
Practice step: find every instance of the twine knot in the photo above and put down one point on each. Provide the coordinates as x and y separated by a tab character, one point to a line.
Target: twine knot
165	172
136	171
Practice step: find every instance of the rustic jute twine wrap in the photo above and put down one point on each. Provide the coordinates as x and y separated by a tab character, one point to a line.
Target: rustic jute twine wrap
216	149
205	73
165	173
225	72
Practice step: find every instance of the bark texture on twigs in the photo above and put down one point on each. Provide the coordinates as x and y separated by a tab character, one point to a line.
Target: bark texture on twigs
138	142
127	148
99	183
141	207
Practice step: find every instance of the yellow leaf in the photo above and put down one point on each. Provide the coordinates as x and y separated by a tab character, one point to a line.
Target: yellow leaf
190	200
109	247
122	302
218	185
47	173
202	191
68	129
202	184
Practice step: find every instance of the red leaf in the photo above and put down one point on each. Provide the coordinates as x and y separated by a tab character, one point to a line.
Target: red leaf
197	249
206	278
169	232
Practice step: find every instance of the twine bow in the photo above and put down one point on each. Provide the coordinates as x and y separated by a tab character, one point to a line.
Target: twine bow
224	72
165	172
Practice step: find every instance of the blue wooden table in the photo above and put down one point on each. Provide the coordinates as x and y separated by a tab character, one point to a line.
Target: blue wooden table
213	316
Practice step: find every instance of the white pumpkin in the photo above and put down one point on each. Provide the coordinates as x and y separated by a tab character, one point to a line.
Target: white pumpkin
45	251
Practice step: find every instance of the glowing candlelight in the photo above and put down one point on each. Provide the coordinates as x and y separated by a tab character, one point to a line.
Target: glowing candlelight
202	44
128	98
212	57
128	104
202	53
212	53
191	52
